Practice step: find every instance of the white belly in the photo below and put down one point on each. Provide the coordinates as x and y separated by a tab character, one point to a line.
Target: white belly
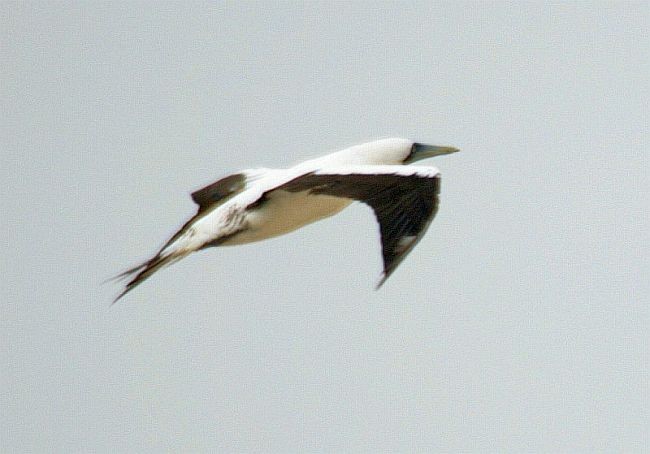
285	212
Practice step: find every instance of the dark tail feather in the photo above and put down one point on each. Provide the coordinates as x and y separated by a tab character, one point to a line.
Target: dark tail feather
144	271
125	274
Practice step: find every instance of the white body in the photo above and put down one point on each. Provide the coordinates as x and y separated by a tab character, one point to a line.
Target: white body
298	209
257	204
285	211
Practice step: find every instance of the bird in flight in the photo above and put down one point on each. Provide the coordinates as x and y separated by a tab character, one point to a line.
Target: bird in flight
257	204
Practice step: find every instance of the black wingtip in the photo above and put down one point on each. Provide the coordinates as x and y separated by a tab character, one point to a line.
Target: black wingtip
383	279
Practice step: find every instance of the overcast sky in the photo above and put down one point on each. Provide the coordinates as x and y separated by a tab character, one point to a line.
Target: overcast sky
519	323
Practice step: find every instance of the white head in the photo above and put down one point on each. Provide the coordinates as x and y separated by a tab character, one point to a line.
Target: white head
393	151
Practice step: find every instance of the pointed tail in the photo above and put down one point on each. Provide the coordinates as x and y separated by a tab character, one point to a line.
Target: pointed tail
181	244
140	273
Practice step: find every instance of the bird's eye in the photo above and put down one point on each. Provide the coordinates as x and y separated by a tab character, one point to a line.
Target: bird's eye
411	153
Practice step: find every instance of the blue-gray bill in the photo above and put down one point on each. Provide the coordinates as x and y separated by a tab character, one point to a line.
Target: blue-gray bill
421	151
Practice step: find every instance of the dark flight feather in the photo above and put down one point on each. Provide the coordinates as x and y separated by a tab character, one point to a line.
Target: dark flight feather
404	205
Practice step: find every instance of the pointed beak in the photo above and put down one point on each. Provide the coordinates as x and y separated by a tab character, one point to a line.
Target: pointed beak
423	151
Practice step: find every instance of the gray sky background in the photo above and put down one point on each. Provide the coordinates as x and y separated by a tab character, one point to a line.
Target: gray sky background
520	322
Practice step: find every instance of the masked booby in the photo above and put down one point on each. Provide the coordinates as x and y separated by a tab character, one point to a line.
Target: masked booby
256	204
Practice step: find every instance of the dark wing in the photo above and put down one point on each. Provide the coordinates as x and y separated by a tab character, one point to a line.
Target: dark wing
219	190
209	196
404	204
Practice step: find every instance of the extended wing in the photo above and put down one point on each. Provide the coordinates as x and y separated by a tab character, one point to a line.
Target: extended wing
404	200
